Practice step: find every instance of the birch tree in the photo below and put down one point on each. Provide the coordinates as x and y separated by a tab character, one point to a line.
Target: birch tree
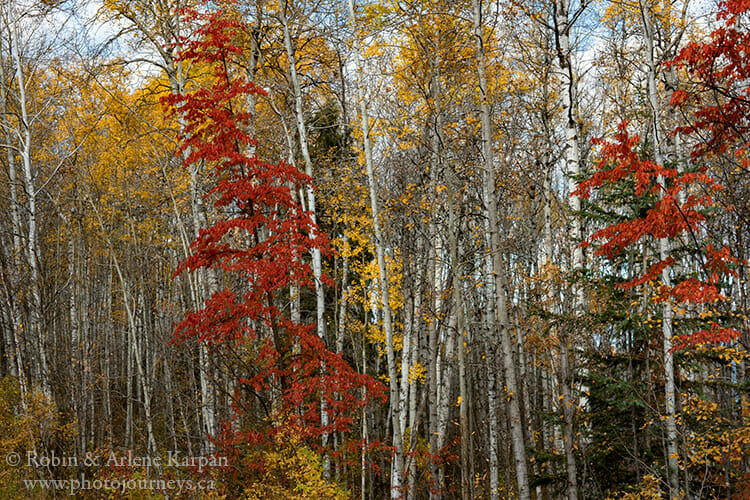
498	266
395	389
563	23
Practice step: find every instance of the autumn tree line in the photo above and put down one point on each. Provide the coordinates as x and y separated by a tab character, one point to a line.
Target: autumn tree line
400	249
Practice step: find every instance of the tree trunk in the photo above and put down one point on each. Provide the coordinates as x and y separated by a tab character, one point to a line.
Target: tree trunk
12	340
133	344
32	244
498	270
666	275
316	256
573	169
395	397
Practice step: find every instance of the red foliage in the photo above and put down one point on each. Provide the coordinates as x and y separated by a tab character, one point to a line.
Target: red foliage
669	216
721	69
264	239
715	335
675	211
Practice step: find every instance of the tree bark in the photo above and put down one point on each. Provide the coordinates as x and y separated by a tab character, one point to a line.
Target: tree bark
32	244
670	422
310	192
498	270
395	397
573	169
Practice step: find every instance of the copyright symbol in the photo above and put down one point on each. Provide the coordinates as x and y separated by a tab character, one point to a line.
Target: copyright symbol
13	459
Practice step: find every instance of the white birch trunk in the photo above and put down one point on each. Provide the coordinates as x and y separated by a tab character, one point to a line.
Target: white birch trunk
14	341
670	421
462	346
573	168
316	255
434	285
345	290
76	365
108	342
490	318
494	468
395	397
133	347
414	384
461	337
32	243
498	271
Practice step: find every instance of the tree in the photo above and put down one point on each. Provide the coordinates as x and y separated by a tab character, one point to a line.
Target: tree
720	71
263	239
563	22
673	204
159	25
717	109
395	390
496	267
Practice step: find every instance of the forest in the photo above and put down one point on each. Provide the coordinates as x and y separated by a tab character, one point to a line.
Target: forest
375	249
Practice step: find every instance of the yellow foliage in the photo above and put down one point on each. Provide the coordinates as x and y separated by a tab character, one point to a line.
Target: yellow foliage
417	372
35	428
292	471
648	489
714	439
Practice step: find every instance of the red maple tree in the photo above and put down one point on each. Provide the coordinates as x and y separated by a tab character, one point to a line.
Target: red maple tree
263	237
720	68
720	101
677	205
